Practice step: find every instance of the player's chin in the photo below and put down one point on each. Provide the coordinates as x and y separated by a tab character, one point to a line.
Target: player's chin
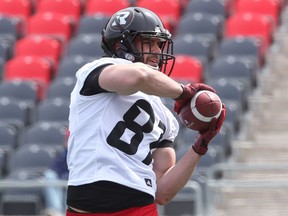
153	65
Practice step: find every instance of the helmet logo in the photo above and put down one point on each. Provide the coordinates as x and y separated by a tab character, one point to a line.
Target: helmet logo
157	29
121	18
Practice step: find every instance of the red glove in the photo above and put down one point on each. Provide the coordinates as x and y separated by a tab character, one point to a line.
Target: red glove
188	92
201	143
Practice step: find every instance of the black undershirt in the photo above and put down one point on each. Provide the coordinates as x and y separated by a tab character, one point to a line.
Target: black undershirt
104	196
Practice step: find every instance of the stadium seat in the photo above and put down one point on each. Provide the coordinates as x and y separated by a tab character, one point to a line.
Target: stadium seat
213	156
29	68
44	134
71	8
187	68
163	8
234	68
61	88
14	113
234	115
25	91
104	6
265	7
85	45
3	162
215	7
11	29
92	24
248	24
40	46
8	142
6	50
70	64
185	136
201	24
30	157
52	24
2	63
248	47
16	8
9	137
199	47
53	111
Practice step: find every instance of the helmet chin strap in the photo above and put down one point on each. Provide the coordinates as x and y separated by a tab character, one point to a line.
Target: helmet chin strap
125	55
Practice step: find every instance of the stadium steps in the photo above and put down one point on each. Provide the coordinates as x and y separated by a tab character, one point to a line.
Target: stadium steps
255	181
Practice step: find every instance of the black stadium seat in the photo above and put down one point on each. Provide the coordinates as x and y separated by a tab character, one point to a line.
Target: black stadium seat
248	47
85	45
61	88
92	24
215	7
70	64
9	137
54	110
13	113
200	47
45	134
200	24
234	68
31	157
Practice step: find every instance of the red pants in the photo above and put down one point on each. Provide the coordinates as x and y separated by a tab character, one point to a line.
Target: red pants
150	210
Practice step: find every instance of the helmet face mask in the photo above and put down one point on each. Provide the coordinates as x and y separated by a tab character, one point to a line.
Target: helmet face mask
132	23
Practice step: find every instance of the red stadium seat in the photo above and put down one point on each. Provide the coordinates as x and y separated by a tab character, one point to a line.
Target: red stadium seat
16	8
54	24
163	8
108	7
248	24
168	23
28	68
71	8
264	7
187	68
41	46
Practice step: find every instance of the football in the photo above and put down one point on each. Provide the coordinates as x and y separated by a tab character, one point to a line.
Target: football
200	110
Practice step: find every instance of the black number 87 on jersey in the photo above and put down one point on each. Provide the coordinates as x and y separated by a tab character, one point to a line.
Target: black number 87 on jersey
129	122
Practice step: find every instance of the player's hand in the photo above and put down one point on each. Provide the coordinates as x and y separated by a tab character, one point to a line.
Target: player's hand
204	138
188	92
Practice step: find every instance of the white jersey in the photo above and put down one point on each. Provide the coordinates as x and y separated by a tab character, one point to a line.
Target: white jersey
111	135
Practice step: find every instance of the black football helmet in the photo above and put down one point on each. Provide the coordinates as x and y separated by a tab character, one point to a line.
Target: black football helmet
130	22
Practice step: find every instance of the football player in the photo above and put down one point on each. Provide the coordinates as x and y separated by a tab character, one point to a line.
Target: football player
120	152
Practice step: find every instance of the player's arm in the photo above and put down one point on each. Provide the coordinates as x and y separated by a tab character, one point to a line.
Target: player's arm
171	177
128	79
